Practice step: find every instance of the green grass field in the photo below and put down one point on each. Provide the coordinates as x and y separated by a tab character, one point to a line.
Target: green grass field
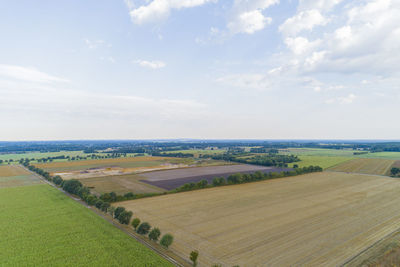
38	155
318	152
365	166
382	155
196	152
322	161
40	226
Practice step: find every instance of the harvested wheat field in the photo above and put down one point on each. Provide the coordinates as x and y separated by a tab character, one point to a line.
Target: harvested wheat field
119	184
12	170
366	166
15	175
320	219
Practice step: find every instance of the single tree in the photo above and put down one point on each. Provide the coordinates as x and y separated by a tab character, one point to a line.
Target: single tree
111	211
193	257
144	228
124	217
72	186
135	223
118	211
105	206
99	203
154	234
166	240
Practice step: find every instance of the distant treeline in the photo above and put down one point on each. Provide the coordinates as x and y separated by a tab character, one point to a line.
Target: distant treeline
263	160
171	154
140	146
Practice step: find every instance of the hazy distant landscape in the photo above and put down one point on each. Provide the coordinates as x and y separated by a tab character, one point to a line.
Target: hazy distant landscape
200	133
205	195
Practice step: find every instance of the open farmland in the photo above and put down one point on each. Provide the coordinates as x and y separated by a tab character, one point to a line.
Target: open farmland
119	166
171	179
320	219
40	226
38	155
129	162
318	152
366	166
322	161
119	184
14	175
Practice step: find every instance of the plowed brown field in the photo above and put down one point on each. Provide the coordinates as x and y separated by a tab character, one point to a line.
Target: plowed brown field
320	219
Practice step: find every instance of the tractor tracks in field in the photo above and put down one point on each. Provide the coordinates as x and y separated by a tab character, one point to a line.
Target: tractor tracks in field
175	260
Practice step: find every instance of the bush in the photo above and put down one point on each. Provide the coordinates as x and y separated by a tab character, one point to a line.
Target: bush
193	257
91	200
57	180
166	240
154	234
135	223
72	186
99	203
104	207
218	181
124	217
144	228
118	211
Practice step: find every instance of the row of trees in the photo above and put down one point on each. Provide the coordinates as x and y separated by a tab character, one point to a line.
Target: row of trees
123	216
113	197
240	178
145	229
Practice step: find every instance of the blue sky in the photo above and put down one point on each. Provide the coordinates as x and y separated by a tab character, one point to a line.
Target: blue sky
145	69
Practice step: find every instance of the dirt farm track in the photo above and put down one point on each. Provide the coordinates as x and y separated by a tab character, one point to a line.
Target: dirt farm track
320	219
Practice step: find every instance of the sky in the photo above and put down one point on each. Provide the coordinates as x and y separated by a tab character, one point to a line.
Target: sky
206	69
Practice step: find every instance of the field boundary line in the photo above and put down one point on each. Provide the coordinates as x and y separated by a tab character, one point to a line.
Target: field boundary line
147	244
369	247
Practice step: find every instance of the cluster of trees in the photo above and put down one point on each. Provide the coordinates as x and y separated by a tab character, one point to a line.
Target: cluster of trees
176	155
395	171
360	152
240	178
264	150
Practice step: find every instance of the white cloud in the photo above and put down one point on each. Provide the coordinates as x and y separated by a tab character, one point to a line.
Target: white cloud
160	9
249	22
27	74
304	20
247	16
300	45
323	5
155	64
365	39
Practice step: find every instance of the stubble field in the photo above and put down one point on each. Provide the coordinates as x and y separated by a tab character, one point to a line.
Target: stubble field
14	175
365	166
321	219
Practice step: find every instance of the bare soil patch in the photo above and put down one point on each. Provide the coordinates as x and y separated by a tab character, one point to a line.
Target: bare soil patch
175	178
